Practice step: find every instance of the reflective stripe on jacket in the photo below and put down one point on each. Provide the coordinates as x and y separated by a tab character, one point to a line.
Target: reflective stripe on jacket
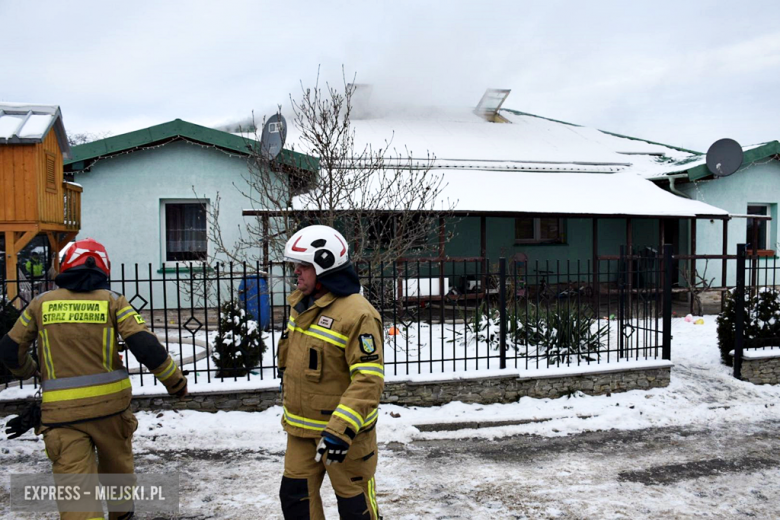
331	357
82	373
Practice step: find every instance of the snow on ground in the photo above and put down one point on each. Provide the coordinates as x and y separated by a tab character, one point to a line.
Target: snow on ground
700	390
231	462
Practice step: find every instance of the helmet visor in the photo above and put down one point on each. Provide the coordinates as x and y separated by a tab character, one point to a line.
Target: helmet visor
297	261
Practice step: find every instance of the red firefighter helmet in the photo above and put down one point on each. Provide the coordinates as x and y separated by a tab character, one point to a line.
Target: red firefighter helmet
79	253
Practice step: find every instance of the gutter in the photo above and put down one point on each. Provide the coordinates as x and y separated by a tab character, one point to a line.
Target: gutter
672	179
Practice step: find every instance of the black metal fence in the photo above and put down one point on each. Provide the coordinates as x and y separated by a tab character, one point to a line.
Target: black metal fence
440	315
756	307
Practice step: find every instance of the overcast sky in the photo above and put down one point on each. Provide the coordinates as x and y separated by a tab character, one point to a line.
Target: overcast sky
684	72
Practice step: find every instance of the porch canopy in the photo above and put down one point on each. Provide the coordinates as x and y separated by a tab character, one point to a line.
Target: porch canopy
543	193
513	193
496	193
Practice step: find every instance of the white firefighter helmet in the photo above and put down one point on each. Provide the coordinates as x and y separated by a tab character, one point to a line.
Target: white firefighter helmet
321	246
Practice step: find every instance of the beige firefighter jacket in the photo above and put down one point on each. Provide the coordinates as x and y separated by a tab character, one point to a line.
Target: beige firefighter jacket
333	369
82	373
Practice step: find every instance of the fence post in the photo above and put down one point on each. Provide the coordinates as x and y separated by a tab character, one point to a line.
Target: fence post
739	318
621	282
666	352
502	310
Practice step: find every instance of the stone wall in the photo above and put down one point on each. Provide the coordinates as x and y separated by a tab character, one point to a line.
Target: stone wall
496	389
764	371
508	389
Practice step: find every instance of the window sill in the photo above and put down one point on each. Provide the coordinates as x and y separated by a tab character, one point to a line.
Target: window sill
762	253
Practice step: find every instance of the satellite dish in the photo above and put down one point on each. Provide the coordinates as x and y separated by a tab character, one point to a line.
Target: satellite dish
274	134
724	157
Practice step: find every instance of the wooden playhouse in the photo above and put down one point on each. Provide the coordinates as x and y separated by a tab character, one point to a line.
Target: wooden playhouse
35	199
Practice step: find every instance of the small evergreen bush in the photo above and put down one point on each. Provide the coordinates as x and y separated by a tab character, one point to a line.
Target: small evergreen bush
565	335
762	321
239	345
558	334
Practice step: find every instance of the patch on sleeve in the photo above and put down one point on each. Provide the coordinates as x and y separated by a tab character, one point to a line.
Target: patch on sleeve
367	345
139	319
326	322
372	357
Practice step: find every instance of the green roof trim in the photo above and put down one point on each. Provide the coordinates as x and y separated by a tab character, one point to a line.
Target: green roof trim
176	128
758	153
517	112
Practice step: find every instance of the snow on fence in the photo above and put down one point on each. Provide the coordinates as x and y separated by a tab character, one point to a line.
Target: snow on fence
441	316
750	321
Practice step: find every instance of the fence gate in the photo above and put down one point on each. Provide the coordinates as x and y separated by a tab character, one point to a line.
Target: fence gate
634	292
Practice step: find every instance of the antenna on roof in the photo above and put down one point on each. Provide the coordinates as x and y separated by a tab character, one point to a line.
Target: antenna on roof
724	157
273	137
490	103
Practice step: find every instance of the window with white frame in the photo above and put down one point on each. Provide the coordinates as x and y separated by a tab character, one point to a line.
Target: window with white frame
761	227
539	231
185	232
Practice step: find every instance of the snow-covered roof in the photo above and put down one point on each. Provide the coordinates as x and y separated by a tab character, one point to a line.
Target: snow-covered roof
528	165
696	167
24	123
569	193
458	138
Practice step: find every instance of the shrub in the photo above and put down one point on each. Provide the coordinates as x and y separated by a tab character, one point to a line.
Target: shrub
560	335
239	345
762	321
570	336
557	334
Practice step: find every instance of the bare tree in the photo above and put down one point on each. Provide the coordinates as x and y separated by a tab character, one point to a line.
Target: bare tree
382	199
86	137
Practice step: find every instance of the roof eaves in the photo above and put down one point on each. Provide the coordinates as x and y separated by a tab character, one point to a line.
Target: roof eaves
62	135
172	129
153	134
254	212
758	153
298	160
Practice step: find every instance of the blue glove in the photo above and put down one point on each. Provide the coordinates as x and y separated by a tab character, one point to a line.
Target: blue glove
335	448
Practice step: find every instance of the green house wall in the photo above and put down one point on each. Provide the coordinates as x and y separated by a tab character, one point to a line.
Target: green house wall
578	243
755	183
123	195
564	257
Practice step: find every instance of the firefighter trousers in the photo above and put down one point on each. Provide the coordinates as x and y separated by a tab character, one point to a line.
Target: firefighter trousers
352	480
81	451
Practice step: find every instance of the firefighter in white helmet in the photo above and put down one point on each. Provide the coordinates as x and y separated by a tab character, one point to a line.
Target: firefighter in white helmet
331	364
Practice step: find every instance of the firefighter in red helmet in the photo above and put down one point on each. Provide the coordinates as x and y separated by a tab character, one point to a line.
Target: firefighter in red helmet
85	415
